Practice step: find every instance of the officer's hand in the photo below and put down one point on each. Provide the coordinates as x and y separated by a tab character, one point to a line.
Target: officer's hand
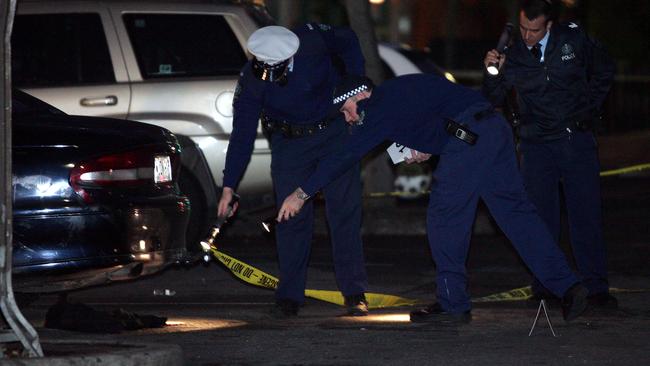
290	207
493	56
417	157
226	197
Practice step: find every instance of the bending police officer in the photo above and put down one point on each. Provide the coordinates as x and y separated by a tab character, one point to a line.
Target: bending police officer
477	160
561	78
289	85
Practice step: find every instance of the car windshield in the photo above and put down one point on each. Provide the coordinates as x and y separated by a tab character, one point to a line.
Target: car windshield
24	105
422	60
260	15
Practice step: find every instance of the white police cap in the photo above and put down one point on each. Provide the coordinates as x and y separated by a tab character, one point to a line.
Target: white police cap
273	44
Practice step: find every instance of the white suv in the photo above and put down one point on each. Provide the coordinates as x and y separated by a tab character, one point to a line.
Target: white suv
170	63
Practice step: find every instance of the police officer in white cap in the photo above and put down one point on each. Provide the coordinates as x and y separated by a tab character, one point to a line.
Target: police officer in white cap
289	85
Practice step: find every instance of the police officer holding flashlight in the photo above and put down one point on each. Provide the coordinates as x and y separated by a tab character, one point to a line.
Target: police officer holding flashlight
289	85
561	78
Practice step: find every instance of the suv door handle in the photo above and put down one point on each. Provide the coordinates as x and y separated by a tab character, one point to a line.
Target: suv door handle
99	102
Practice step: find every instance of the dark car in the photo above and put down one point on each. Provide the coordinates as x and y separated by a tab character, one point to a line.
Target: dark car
95	200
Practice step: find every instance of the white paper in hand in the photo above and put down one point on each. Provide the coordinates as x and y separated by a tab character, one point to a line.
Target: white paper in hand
398	152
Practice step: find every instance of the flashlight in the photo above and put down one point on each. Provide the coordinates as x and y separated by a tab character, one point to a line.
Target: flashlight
269	223
504	39
206	243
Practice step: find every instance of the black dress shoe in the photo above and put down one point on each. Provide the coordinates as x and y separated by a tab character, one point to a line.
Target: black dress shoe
356	305
434	313
574	302
285	308
603	300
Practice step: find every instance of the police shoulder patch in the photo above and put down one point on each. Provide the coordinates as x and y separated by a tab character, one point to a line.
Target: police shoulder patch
324	27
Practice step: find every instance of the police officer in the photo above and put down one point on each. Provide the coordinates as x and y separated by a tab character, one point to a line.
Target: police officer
561	78
289	84
433	116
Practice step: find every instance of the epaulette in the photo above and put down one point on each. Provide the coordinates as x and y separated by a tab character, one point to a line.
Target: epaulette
322	27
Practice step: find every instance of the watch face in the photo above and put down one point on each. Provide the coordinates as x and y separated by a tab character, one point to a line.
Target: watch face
302	195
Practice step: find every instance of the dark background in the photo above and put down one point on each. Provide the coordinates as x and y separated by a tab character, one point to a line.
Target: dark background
456	34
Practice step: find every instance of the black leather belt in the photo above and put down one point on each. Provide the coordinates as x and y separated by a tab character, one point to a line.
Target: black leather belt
583	125
290	130
460	131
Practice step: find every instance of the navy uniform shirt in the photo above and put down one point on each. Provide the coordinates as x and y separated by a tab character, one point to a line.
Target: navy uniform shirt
305	99
410	110
569	86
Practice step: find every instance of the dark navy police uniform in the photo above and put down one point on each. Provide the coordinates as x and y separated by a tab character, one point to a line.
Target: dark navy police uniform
304	134
559	101
412	110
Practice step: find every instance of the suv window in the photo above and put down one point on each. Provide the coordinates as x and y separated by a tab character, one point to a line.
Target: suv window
60	50
173	45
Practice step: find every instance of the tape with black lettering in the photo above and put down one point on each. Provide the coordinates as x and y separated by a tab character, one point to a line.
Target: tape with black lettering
257	277
517	294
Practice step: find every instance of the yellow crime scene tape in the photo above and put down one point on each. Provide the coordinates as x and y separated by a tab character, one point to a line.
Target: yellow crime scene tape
524	293
629	169
606	173
517	294
257	277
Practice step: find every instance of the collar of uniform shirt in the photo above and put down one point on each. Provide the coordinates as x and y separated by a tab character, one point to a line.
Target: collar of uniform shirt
542	42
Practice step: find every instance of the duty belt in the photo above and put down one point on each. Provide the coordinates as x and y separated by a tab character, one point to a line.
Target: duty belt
583	125
463	133
291	130
460	132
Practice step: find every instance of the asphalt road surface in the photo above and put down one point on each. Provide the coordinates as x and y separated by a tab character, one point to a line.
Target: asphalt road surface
219	320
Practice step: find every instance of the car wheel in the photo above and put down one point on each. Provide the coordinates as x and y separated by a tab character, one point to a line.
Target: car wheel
198	225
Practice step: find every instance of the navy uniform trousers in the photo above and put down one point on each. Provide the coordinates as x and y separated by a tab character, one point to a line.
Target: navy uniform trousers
486	170
293	161
572	160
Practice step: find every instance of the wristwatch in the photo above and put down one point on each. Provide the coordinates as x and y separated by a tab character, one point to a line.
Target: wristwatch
301	194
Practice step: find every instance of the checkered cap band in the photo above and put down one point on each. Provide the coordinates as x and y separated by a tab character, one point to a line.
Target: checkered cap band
351	93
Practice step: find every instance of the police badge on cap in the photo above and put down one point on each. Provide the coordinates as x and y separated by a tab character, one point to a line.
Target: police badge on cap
273	47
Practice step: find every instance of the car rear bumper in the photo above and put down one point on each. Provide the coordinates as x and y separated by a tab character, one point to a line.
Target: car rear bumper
55	252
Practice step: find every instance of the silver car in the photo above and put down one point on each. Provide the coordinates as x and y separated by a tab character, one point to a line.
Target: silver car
174	64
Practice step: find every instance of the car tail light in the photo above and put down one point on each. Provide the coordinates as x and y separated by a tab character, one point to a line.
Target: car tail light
126	169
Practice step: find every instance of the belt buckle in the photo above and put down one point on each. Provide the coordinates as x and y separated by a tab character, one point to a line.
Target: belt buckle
297	132
285	128
461	134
